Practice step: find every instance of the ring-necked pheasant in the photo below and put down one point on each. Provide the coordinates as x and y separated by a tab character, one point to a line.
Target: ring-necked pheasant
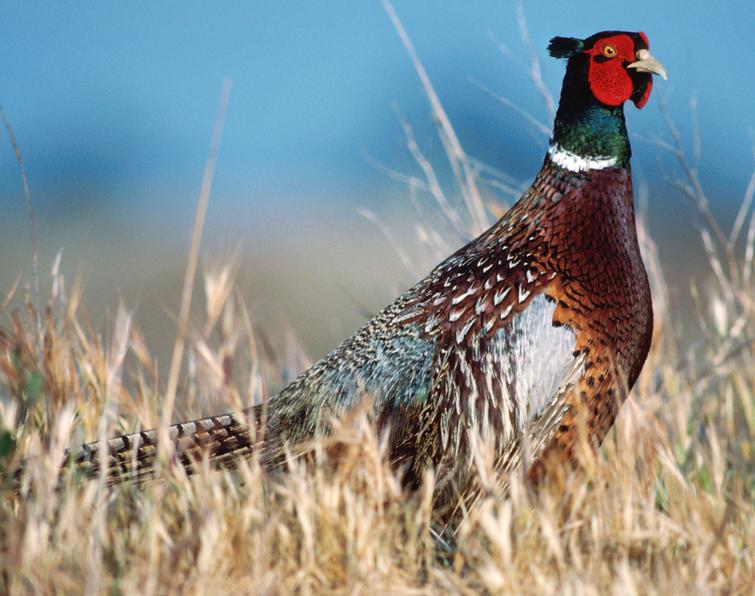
542	321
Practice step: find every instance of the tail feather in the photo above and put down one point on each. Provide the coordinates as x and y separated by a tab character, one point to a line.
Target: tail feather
132	457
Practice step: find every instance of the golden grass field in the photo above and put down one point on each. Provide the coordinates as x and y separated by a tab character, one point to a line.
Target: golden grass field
666	506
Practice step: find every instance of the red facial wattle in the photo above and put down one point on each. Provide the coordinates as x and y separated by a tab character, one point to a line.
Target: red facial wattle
609	80
645	95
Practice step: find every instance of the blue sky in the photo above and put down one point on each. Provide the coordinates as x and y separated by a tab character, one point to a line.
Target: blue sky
113	105
115	101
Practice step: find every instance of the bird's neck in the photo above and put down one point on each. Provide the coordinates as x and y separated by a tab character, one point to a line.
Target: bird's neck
588	135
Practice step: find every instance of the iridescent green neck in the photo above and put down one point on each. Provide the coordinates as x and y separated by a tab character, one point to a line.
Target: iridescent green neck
591	130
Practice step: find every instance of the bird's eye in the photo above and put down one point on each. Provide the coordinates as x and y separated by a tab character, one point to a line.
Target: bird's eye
609	51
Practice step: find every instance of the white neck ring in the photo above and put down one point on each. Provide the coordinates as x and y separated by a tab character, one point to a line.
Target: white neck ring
578	163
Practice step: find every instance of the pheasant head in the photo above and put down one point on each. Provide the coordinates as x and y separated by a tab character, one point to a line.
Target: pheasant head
604	71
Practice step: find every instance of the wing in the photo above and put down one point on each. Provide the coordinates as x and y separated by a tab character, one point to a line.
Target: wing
508	389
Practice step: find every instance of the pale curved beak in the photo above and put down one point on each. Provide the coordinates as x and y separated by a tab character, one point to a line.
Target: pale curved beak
648	63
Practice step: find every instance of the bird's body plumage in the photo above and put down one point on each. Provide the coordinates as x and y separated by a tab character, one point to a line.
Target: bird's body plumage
540	324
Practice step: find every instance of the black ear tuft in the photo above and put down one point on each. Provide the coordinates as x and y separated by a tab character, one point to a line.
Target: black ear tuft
564	47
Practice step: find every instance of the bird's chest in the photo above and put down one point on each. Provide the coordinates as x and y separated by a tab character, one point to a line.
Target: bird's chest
604	295
600	284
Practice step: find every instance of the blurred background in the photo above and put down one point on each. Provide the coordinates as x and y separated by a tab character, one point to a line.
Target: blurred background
113	106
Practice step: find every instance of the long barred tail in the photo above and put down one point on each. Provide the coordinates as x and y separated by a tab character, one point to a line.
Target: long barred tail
131	458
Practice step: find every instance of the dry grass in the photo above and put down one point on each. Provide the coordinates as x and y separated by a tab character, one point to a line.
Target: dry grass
666	506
